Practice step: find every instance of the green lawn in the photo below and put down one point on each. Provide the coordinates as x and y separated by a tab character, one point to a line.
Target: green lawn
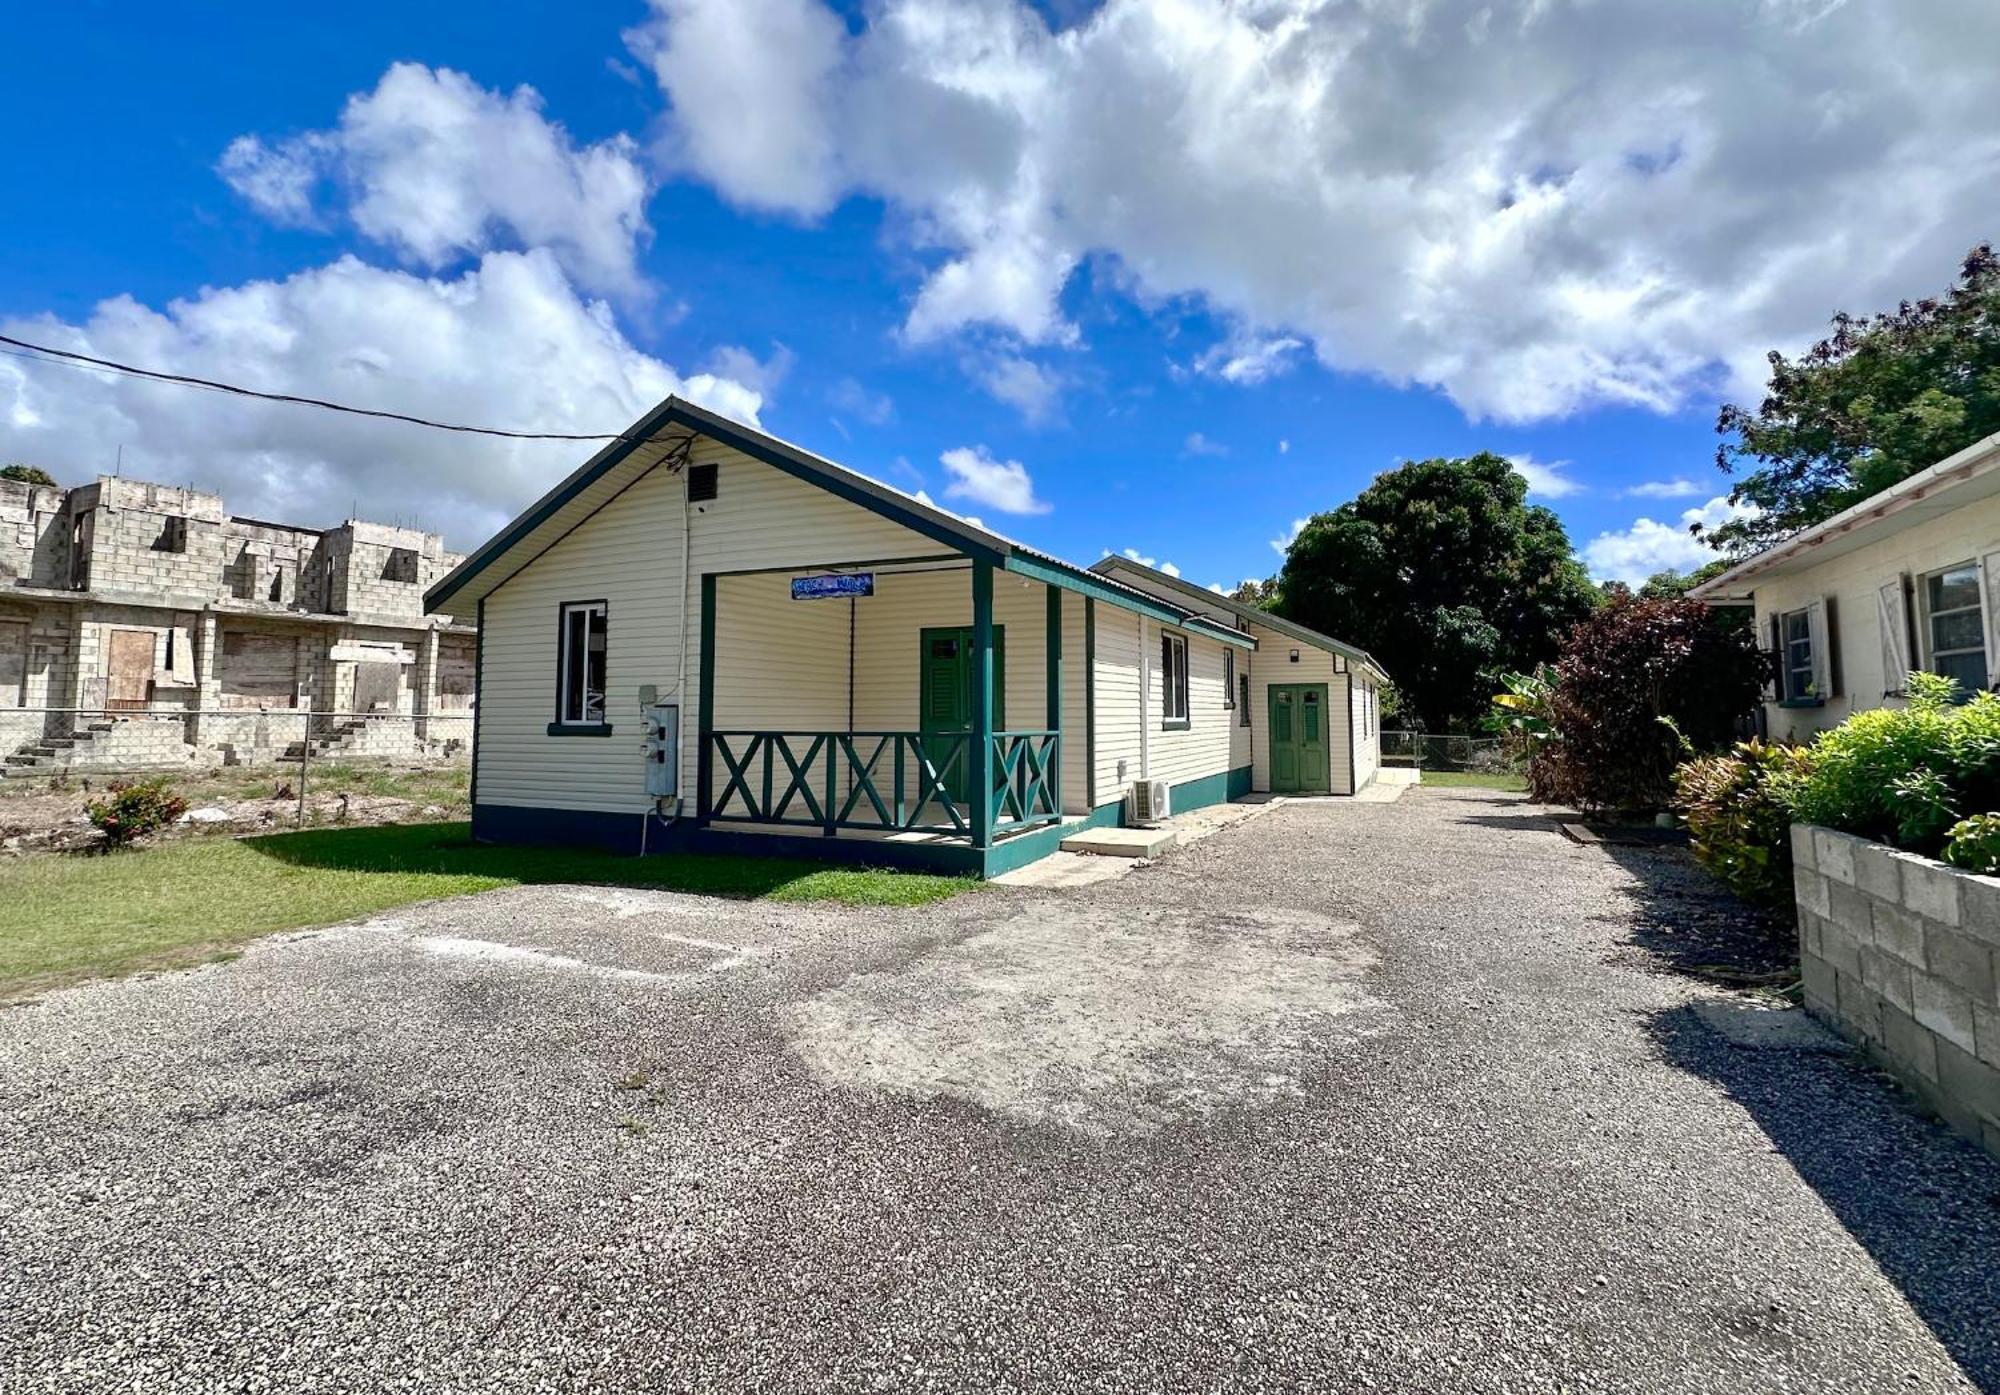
69	917
1472	779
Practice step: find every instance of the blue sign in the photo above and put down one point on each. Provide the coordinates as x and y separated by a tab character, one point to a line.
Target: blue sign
814	588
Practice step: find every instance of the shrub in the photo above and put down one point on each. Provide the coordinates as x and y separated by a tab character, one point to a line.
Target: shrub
135	810
1739	819
1974	844
1906	775
1639	685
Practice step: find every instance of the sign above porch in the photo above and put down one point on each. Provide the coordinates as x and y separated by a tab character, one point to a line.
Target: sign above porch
814	588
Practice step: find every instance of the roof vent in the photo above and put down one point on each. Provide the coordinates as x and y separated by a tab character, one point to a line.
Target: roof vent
702	483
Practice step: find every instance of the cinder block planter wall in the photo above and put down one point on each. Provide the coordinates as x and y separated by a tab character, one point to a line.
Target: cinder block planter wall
1899	955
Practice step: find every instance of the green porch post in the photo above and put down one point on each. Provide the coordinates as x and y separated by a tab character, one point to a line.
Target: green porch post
1054	624
704	754
979	770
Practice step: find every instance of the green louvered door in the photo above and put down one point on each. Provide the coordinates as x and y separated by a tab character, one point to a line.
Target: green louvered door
944	695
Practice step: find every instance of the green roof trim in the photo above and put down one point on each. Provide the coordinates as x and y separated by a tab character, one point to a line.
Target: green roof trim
1291	628
1054	572
964	538
858	489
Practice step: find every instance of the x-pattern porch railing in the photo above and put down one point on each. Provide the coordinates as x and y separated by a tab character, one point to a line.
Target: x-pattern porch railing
883	781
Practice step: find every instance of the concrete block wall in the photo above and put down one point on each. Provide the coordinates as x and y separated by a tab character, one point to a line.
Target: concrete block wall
1899	954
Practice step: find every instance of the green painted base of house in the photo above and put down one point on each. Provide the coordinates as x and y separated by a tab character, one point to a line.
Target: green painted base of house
507	823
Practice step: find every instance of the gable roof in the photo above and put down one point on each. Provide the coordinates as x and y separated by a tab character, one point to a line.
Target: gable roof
675	421
1957	480
1290	628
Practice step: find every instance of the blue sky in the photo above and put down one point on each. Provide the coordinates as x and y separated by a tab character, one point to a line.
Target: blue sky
1198	271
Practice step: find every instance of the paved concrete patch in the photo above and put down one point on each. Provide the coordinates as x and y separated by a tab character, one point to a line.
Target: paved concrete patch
1076	1014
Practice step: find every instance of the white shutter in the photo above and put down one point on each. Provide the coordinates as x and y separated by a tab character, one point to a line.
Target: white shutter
1822	652
1894	610
1989	596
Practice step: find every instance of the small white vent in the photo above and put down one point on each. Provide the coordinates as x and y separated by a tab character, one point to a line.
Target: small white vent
1147	802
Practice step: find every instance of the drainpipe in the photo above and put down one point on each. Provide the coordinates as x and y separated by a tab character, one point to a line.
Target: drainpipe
1145	702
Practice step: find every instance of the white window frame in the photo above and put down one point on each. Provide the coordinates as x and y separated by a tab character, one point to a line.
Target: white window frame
1927	631
566	658
1173	681
1796	659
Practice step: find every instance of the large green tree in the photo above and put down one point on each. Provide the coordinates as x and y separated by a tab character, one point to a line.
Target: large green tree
1443	571
1873	403
26	474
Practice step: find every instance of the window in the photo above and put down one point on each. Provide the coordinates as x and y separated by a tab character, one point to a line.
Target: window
1173	680
1242	699
580	697
1795	656
401	566
1952	625
1228	679
173	535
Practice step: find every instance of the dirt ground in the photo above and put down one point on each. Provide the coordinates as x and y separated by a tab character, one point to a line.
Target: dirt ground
50	815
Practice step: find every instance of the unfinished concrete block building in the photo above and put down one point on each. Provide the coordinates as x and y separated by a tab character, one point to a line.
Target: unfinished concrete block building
142	626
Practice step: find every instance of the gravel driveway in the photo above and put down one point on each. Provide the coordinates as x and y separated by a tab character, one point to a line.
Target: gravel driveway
1349	1097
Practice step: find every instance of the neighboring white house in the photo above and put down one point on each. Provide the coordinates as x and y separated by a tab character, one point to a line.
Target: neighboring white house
1318	696
1908	579
707	638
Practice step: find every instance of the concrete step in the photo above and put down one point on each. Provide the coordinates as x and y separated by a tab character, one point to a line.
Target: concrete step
1122	842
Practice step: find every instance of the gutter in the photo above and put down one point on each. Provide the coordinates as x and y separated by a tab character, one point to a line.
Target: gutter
1954	470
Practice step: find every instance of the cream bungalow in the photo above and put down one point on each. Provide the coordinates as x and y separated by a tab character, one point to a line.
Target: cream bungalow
1907	579
706	638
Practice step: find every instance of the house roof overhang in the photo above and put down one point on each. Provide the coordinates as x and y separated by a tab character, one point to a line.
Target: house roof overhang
654	436
1970	475
1289	628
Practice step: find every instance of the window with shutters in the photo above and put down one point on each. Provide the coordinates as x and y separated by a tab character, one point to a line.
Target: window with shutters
1954	636
1173	681
1795	655
581	672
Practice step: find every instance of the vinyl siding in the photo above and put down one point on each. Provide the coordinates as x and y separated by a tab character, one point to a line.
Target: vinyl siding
1852	580
1364	729
1204	747
628	554
1272	664
1117	701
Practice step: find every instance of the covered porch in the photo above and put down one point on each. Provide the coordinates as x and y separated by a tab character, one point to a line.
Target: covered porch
926	710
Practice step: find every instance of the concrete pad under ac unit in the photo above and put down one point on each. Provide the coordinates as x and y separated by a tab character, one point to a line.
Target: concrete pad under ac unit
1122	842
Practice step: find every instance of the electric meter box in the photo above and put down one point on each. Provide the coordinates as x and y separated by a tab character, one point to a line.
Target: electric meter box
662	748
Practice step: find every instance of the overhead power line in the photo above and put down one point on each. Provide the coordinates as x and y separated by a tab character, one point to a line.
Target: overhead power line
70	358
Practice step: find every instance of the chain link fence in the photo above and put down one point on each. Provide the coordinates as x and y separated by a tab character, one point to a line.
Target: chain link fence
1483	754
55	742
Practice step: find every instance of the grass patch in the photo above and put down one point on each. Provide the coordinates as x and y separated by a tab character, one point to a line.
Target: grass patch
73	917
1475	779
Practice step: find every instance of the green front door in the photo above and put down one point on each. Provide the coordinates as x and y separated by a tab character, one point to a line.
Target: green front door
1298	739
944	697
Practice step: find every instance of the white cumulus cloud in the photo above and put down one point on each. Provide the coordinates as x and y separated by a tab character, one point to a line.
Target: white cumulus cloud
999	484
1137	556
508	343
1632	554
435	167
1676	488
1534	209
1546	481
1283	545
